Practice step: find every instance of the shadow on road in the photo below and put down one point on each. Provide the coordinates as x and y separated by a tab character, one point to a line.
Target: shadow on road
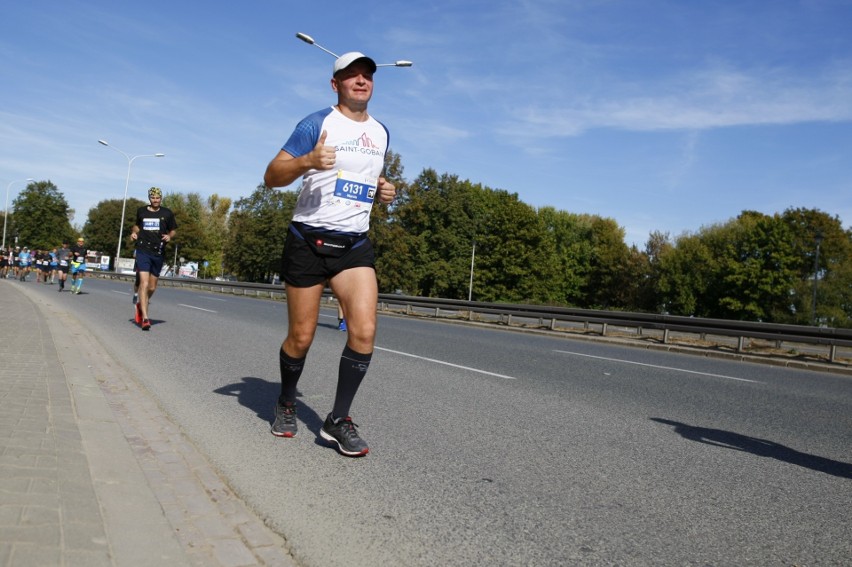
260	396
759	447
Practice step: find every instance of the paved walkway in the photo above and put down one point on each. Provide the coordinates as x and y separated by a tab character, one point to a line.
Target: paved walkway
92	472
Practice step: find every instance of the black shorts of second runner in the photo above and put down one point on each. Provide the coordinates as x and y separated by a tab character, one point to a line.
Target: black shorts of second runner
150	263
302	267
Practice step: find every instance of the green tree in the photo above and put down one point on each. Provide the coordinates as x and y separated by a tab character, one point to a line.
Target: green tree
216	229
659	245
607	265
391	245
257	228
833	271
41	218
435	221
102	226
191	240
570	233
757	269
684	275
517	256
402	253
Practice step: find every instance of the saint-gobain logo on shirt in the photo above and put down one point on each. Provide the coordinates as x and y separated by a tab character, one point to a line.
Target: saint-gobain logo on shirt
362	144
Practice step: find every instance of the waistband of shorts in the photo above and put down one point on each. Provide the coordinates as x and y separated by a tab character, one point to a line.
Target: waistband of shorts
300	229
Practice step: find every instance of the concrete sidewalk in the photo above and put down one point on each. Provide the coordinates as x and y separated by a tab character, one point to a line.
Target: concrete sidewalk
92	472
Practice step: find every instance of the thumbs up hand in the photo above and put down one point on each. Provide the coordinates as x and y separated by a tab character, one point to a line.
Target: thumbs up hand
322	156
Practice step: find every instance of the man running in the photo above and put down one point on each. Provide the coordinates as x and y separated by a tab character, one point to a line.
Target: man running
154	228
24	260
53	264
4	262
339	153
63	256
78	265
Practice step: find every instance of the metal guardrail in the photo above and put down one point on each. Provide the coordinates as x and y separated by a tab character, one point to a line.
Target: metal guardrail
603	321
587	321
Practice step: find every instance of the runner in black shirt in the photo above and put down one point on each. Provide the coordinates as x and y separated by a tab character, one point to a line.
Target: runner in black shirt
155	226
63	256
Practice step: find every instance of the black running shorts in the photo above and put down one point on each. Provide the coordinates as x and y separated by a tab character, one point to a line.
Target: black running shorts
302	267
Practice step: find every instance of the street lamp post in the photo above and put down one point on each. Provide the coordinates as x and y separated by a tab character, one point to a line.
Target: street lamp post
818	239
6	209
472	258
124	202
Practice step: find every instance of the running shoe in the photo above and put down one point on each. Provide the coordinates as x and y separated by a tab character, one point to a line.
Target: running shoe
285	420
135	298
138	310
342	325
146	324
342	431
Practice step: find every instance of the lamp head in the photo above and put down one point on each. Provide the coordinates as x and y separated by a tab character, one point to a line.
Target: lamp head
342	61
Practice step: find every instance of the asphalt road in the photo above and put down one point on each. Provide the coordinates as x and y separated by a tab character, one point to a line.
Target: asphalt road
499	448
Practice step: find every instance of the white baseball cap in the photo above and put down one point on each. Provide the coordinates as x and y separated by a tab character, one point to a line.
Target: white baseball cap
348	59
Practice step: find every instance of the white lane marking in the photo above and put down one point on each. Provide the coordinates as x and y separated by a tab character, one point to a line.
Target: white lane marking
657	366
212	298
448	364
121	292
194	307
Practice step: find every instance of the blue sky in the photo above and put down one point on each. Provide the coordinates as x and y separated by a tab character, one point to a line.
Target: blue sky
662	115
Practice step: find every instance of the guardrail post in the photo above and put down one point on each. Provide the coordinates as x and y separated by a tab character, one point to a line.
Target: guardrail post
665	336
832	355
740	343
603	330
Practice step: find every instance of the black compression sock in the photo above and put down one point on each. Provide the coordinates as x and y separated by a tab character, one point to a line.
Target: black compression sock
291	370
353	368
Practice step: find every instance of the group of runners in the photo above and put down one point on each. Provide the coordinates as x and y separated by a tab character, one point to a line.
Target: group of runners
154	227
49	266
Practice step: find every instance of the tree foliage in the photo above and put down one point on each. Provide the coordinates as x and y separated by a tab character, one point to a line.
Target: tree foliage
452	238
257	228
761	268
102	226
41	218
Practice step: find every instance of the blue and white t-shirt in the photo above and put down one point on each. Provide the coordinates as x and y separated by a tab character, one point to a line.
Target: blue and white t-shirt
341	198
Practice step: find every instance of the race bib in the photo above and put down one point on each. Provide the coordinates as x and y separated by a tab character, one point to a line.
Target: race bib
63	263
355	189
80	259
151	224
